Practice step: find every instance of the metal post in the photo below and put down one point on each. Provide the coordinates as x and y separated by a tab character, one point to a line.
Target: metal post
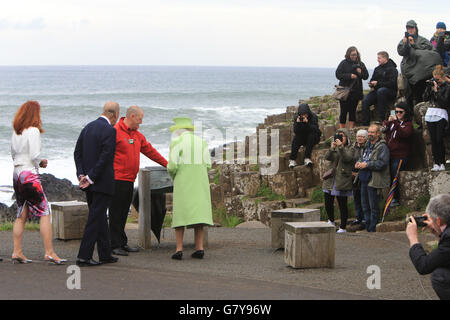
145	209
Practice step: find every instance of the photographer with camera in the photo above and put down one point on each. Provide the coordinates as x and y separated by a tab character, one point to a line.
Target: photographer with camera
383	88
418	62
306	133
439	40
398	130
350	73
436	117
373	174
437	218
338	179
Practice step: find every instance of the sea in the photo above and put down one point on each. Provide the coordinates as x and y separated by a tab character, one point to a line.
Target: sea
231	99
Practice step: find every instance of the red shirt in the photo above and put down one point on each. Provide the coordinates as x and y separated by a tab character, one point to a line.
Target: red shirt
129	145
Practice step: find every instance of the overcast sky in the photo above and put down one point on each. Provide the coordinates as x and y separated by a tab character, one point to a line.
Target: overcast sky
207	32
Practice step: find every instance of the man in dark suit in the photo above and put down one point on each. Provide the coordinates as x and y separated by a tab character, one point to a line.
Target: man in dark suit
94	156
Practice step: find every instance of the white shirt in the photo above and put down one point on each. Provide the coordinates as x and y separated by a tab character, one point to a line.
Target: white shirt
26	150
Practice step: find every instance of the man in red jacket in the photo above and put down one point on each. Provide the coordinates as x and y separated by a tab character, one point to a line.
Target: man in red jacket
129	144
398	130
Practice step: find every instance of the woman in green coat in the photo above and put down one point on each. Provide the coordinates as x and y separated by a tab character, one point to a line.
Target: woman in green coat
189	162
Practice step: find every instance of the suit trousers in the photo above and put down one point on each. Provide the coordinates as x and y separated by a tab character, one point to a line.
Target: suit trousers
96	230
118	212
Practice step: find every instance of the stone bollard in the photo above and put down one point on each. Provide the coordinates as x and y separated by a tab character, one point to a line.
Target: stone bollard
69	219
309	244
279	217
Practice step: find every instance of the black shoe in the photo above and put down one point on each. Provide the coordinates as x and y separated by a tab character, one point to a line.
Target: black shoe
87	263
1	259
119	252
109	260
130	249
178	255
198	254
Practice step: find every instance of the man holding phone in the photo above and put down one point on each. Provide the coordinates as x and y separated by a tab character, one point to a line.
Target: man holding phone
398	130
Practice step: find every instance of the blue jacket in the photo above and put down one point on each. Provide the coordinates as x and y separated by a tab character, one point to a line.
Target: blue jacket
94	155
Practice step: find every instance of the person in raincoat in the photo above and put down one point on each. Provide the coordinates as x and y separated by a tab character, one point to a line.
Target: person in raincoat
189	162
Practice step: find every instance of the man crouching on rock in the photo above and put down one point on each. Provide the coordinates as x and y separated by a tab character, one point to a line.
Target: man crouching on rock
129	144
307	133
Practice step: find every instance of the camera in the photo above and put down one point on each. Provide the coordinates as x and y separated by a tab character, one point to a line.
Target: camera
419	220
407	34
338	136
431	82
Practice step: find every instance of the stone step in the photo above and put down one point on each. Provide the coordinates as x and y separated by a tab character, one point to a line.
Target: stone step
294	203
314	206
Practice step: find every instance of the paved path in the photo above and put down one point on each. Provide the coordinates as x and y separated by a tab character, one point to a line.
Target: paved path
239	264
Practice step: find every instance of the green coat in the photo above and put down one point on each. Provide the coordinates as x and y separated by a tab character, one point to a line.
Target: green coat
189	162
342	160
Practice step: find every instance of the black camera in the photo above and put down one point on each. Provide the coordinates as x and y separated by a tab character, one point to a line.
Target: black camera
431	82
407	34
338	136
419	220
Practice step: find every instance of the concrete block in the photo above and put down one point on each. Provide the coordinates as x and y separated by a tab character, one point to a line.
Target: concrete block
279	217
309	245
69	219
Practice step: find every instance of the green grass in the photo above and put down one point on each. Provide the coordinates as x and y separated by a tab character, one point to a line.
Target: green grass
317	196
30	226
216	179
228	221
265	192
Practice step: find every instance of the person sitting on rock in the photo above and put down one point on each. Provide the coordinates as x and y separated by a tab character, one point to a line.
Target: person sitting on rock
438	93
398	130
306	133
383	88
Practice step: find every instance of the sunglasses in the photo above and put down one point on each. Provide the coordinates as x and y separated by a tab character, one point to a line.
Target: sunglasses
399	111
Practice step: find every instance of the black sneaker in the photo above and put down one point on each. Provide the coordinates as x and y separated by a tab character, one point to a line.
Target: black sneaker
177	255
198	254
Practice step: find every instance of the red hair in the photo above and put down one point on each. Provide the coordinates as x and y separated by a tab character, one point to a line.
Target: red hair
28	115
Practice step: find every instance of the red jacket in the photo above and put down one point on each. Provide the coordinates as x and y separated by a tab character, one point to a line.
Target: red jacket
129	145
398	136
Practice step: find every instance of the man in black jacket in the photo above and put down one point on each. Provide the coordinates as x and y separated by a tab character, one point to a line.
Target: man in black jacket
307	133
383	88
438	261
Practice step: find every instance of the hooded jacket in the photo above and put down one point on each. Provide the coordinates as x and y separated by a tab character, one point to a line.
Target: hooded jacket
129	144
419	59
344	74
311	127
342	161
398	137
378	165
386	76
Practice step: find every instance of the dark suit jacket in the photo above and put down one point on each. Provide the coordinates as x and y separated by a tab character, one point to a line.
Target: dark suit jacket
94	155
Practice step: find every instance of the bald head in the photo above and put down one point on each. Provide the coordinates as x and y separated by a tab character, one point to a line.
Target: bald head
134	117
111	110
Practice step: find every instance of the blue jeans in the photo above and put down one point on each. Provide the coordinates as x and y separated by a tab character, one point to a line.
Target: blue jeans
370	206
381	98
359	213
393	170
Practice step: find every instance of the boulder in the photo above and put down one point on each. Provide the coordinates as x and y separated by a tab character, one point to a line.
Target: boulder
233	205
246	183
439	183
413	184
265	208
60	189
249	208
217	195
391	226
8	213
283	183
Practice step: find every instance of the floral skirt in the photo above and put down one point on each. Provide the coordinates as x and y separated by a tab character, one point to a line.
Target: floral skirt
28	189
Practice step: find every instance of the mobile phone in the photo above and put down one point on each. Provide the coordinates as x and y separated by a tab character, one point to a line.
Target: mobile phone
393	113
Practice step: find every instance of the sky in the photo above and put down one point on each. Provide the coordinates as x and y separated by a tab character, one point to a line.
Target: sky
208	32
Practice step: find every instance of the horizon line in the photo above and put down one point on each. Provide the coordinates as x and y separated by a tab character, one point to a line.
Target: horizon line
156	65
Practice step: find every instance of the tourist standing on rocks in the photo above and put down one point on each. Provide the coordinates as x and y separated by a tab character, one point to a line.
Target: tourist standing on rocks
306	133
339	182
383	88
438	261
373	173
436	117
358	149
189	162
94	157
130	143
350	73
438	40
398	130
30	196
418	62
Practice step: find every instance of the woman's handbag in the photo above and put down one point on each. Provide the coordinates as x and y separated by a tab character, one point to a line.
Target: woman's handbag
328	174
341	93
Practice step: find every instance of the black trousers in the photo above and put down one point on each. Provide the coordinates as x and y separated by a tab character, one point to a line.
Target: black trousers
343	208
307	140
96	230
349	107
118	212
416	93
437	135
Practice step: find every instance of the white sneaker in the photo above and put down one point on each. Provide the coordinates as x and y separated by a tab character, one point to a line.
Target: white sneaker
441	167
292	163
341	231
331	223
435	167
308	162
